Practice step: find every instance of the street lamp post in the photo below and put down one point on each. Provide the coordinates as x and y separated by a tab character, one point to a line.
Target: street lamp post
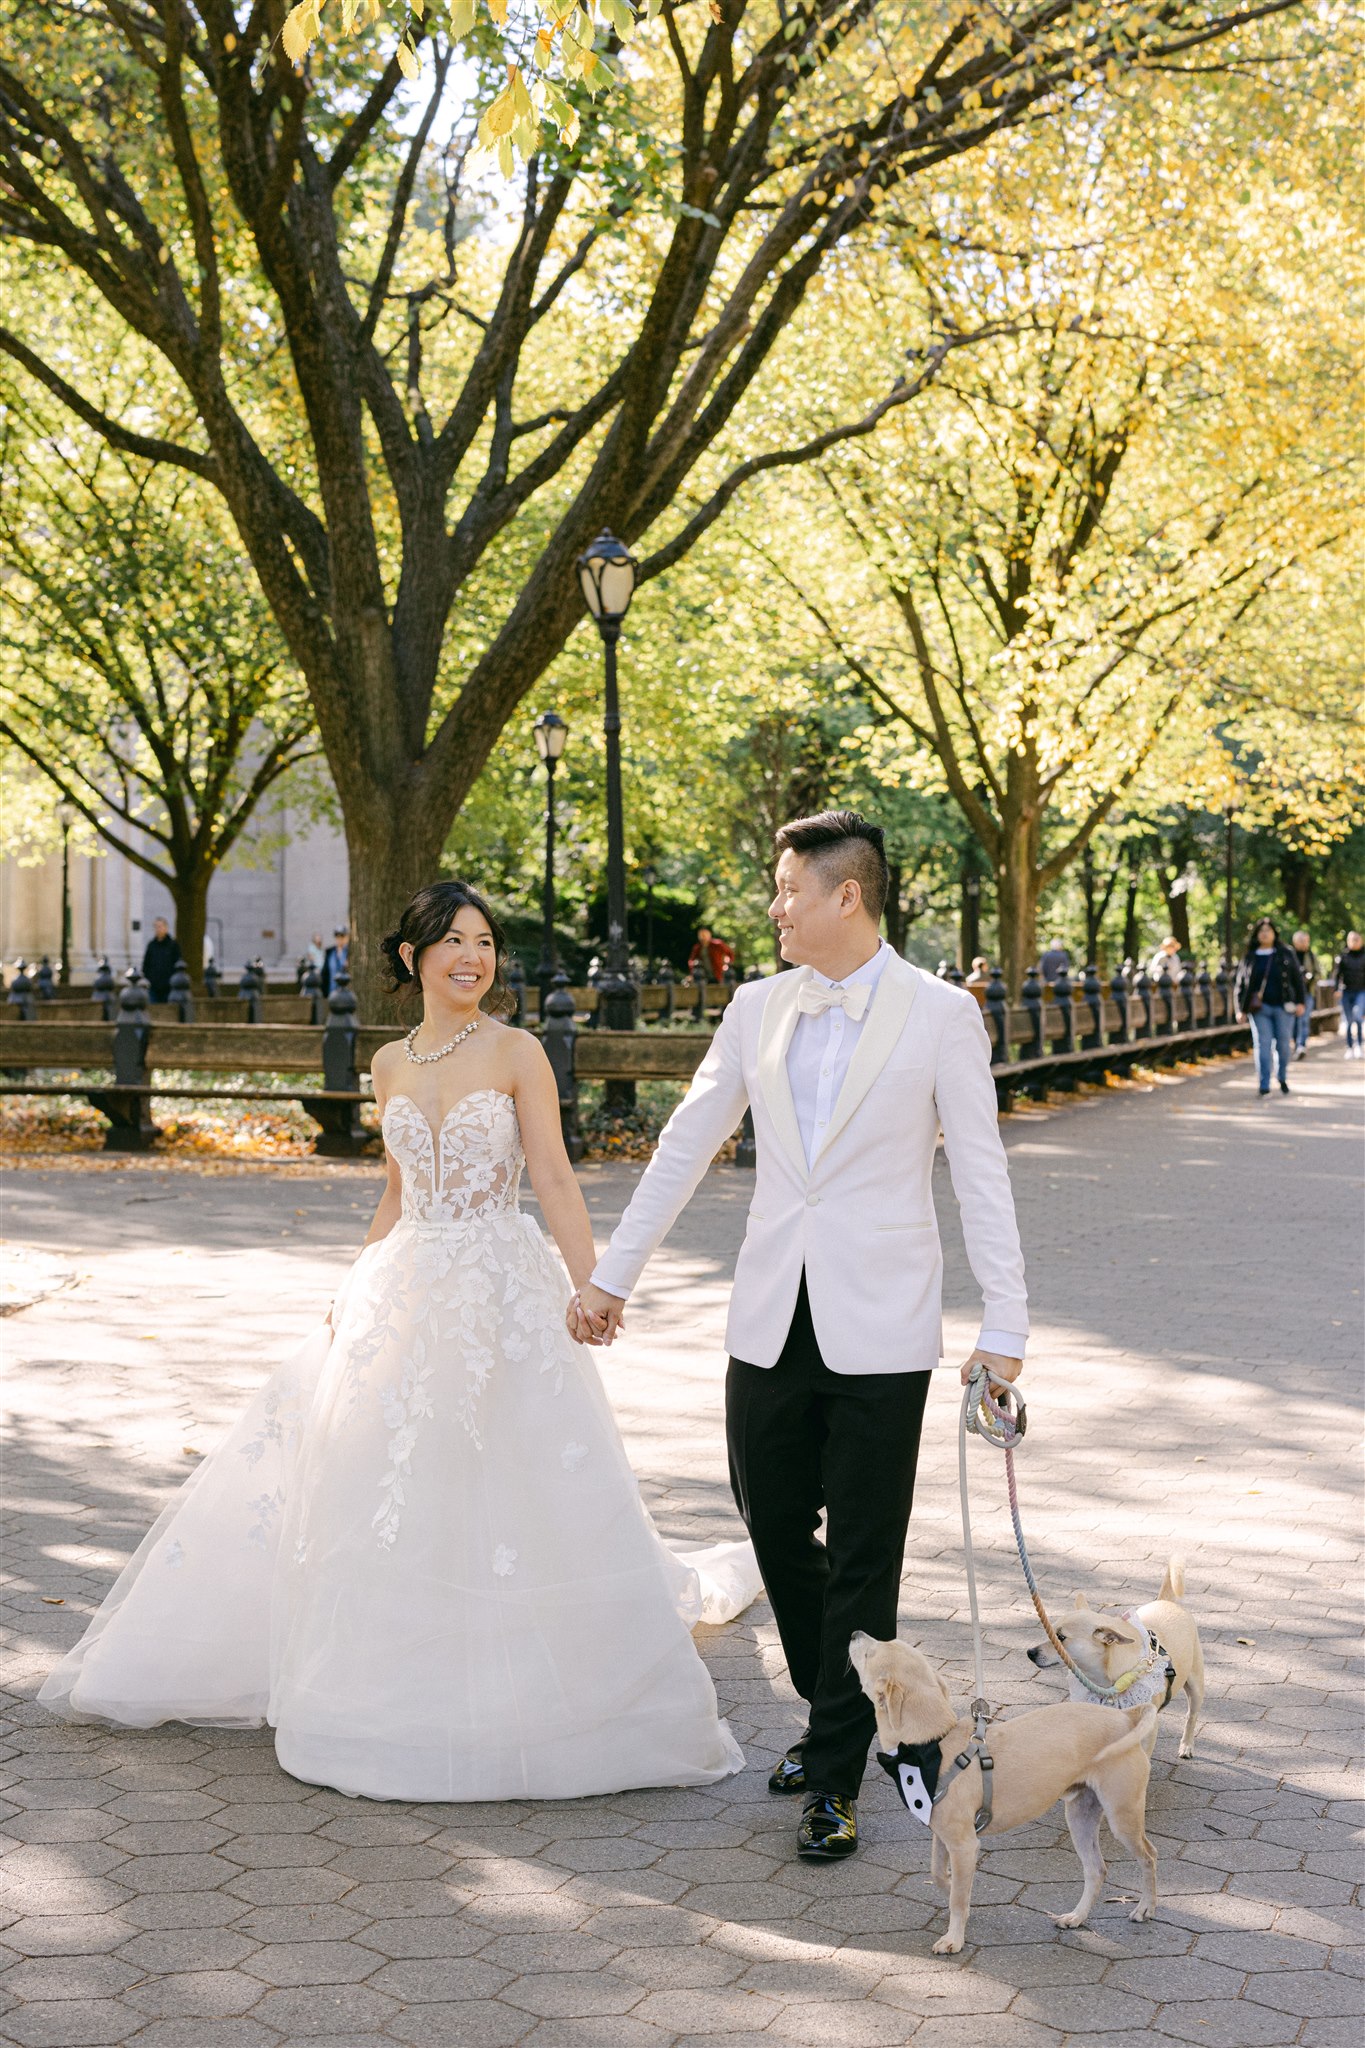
607	572
66	818
649	876
551	733
1229	813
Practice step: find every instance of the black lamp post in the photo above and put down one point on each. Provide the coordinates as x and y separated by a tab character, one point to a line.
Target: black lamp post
551	735
1229	813
649	876
66	818
607	572
971	913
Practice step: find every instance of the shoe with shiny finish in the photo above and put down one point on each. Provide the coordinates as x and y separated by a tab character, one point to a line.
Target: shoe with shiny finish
789	1774
829	1828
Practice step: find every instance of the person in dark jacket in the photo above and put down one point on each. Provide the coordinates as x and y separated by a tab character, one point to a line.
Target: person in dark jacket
1308	968
337	959
160	961
1348	977
1269	991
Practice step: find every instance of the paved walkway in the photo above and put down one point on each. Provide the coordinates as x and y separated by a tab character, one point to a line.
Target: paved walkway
1194	1259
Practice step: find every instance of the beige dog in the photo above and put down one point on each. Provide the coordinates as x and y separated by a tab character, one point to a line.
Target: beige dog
1107	1646
1091	1758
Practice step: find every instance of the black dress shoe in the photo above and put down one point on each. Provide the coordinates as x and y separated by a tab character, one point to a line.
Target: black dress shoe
828	1829
788	1775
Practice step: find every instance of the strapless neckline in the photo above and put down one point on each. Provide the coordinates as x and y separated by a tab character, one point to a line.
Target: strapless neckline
436	1129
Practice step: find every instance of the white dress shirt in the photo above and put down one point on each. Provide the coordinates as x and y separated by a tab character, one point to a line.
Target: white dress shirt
817	1061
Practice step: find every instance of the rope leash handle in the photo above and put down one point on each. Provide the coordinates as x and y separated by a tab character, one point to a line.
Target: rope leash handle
1004	1426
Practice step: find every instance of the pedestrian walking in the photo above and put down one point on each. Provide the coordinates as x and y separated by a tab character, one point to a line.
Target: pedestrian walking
711	952
315	952
336	960
1166	960
1269	993
1308	968
1348	978
160	960
1054	961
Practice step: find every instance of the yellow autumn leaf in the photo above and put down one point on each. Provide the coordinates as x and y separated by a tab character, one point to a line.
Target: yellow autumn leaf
407	59
498	10
296	35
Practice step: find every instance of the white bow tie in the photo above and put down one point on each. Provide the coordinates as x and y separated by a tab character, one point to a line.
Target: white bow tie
814	999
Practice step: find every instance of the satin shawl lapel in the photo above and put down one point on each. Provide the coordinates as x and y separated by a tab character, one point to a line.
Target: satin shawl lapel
885	1021
774	1038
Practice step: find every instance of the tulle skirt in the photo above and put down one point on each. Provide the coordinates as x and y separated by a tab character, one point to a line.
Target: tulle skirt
421	1556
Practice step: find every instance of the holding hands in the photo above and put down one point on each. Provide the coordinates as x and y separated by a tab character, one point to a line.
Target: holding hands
594	1316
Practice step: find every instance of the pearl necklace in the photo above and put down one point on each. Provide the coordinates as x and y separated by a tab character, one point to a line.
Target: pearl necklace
425	1059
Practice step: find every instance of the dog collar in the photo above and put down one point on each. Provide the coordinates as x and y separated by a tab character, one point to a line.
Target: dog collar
1153	1680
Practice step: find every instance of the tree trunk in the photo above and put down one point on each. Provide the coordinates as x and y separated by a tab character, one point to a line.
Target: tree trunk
1016	897
394	850
895	914
190	895
1297	877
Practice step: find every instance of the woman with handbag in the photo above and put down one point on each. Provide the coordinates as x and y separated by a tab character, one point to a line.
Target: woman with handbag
1269	991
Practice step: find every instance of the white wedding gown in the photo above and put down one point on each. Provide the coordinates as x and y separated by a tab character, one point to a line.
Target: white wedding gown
421	1554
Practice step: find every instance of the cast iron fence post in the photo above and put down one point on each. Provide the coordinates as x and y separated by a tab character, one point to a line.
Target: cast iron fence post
669	982
212	978
1093	996
181	994
998	1016
1065	1041
558	1034
1142	989
1031	996
516	982
249	992
1118	995
310	985
43	984
341	1134
104	990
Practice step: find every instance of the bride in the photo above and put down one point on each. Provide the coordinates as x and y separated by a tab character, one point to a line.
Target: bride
420	1555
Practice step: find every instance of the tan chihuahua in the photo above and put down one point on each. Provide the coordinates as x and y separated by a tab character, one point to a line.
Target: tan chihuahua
1107	1646
1093	1759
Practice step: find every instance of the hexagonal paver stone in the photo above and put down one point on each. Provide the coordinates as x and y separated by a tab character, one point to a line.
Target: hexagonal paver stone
811	1980
854	2024
68	1934
476	2024
452	1935
574	1994
206	1994
677	1969
325	2009
991	2030
643	1926
285	1963
72	2023
1084	2009
1225	2023
177	1948
708	2012
439	1980
1167	1977
1308	1994
88	1976
202	2033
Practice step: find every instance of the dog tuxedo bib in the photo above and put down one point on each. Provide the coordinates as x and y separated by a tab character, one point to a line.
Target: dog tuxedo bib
913	1769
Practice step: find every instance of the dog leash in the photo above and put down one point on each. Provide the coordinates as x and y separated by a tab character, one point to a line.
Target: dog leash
1002	1421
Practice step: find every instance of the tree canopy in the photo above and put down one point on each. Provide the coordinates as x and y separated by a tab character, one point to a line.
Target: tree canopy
419	394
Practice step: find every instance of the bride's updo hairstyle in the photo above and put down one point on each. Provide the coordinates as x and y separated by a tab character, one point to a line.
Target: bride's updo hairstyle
426	921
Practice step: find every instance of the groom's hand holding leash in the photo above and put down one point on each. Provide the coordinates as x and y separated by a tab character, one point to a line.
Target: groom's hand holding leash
998	1367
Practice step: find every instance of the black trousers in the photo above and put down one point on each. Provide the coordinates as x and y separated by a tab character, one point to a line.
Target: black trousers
802	1438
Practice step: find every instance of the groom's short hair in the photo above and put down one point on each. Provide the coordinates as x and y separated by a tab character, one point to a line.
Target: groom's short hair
843	847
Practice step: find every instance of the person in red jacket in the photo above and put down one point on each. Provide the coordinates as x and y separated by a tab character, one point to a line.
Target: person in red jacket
714	952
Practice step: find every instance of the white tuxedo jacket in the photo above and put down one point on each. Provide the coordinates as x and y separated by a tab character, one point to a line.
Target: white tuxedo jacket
860	1219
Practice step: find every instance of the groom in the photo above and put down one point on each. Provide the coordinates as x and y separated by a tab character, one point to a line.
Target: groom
852	1065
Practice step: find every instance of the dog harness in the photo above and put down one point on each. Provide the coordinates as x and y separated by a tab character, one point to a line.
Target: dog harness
916	1771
